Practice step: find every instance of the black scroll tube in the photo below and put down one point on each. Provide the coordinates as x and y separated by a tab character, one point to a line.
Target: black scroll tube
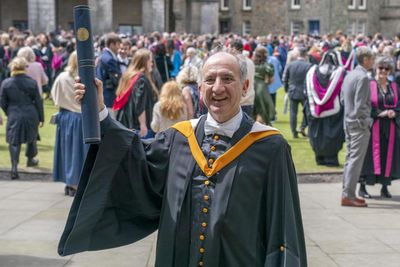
85	53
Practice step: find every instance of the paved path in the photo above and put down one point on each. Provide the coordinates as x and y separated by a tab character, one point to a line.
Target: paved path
33	214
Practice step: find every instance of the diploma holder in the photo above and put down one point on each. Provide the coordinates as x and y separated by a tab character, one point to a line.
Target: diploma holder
85	53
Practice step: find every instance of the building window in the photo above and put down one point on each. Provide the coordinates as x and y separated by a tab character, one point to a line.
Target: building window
351	29
246	4
224	4
362	4
295	4
313	27
20	24
361	27
295	27
224	26
246	27
352	4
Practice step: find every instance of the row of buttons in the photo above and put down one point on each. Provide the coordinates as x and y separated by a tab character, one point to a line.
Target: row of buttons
205	210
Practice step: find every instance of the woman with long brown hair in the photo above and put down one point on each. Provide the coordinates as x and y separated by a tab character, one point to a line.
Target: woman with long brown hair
136	94
170	109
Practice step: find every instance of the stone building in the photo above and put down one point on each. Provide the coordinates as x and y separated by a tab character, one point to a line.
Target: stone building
210	16
130	16
47	15
309	16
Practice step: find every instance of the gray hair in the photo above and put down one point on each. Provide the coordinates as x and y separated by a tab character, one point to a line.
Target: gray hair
242	66
241	60
362	53
384	61
27	53
188	74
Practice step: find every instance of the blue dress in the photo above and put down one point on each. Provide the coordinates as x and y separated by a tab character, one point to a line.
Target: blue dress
70	151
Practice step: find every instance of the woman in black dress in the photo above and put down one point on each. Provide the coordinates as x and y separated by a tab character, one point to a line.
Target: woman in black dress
136	94
22	104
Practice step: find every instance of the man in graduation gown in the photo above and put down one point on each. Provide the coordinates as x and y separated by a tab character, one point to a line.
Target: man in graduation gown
221	190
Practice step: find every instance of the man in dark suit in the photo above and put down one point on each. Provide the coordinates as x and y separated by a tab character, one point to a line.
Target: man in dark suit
108	69
294	80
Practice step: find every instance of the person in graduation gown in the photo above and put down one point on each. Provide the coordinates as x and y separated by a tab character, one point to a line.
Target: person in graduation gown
323	109
383	150
134	103
221	190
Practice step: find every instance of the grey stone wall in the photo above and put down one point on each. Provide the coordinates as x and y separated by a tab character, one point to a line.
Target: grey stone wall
389	20
209	18
12	10
41	15
179	9
101	15
153	15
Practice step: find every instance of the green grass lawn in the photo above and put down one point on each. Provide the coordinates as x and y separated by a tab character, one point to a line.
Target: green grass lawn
45	146
302	153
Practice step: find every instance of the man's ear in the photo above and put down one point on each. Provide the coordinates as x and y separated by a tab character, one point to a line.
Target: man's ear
245	87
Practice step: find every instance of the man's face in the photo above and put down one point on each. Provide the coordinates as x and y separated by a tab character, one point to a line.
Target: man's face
221	86
114	47
369	63
123	50
42	39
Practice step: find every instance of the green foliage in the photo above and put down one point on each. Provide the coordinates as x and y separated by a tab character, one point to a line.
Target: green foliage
303	155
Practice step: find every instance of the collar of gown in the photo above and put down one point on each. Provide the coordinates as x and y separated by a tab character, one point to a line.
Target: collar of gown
228	128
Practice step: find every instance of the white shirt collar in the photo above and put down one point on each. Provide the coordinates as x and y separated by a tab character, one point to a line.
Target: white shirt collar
112	53
228	128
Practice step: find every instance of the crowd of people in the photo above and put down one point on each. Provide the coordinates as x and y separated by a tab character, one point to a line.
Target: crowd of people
152	81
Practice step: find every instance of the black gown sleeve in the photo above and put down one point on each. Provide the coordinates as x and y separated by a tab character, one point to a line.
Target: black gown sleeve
141	95
4	99
119	196
285	236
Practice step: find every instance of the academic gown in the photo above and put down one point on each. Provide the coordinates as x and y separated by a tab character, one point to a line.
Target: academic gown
326	134
326	137
129	189
368	174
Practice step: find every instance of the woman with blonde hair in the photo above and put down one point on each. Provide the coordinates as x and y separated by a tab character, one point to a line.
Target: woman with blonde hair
35	69
22	104
170	109
69	150
187	79
136	93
